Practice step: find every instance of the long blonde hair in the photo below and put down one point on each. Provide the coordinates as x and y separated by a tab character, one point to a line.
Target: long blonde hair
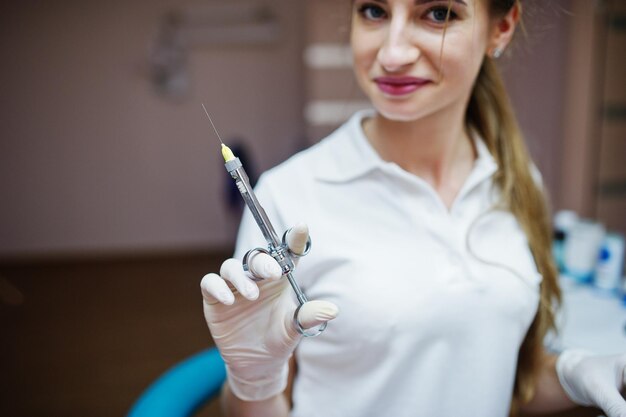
490	114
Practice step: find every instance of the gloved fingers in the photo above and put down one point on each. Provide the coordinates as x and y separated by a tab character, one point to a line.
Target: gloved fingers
215	290
612	403
313	313
297	238
282	340
263	266
232	271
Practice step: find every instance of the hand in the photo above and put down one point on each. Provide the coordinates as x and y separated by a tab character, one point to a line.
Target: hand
252	323
594	380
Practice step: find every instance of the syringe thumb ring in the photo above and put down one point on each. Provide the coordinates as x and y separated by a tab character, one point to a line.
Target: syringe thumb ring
282	255
246	262
312	332
307	246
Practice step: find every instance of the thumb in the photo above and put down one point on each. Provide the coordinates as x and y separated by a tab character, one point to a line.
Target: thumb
281	340
297	238
314	313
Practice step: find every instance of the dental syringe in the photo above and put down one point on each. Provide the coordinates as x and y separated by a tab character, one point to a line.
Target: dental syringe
276	248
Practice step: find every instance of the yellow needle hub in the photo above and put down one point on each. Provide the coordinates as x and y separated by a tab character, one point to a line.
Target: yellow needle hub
227	153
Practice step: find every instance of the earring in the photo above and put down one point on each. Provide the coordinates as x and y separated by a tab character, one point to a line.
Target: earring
497	53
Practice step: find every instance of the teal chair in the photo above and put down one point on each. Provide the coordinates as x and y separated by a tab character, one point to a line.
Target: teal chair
184	388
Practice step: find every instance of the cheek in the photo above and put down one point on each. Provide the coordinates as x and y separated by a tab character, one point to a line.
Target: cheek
462	58
362	58
364	49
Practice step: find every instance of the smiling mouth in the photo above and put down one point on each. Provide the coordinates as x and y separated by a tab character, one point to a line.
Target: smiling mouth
398	86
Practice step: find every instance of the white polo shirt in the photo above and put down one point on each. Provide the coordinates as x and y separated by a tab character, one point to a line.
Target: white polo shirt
427	327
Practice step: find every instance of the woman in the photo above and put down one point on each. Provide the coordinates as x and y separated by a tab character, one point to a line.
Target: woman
431	235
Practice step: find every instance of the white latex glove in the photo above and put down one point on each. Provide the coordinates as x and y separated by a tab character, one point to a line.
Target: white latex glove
594	380
252	324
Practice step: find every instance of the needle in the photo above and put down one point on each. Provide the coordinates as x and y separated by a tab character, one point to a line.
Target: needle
226	152
210	120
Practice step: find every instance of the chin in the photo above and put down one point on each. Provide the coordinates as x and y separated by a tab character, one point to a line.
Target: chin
397	114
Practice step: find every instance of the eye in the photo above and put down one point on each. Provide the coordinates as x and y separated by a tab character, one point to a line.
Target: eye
372	12
438	14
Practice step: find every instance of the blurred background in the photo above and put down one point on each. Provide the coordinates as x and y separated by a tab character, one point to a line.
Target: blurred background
114	200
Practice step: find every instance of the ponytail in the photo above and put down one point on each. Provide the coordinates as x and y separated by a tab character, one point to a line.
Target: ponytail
491	116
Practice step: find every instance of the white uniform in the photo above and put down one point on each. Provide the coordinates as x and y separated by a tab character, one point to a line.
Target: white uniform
426	326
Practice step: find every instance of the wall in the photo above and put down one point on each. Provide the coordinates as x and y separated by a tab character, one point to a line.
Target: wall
93	160
610	200
533	69
593	171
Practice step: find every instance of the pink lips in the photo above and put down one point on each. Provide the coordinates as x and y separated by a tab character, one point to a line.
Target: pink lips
399	86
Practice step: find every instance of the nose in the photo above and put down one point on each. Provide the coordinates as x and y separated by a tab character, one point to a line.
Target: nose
397	50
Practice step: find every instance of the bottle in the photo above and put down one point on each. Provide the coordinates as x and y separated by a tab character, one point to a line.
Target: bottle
608	274
580	253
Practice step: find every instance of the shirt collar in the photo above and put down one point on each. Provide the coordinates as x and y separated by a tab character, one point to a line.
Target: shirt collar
347	152
349	155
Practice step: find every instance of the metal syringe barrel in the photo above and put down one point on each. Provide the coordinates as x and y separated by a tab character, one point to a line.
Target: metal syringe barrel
238	173
277	248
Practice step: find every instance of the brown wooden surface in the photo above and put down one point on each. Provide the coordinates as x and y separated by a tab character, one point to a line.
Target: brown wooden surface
84	338
88	337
